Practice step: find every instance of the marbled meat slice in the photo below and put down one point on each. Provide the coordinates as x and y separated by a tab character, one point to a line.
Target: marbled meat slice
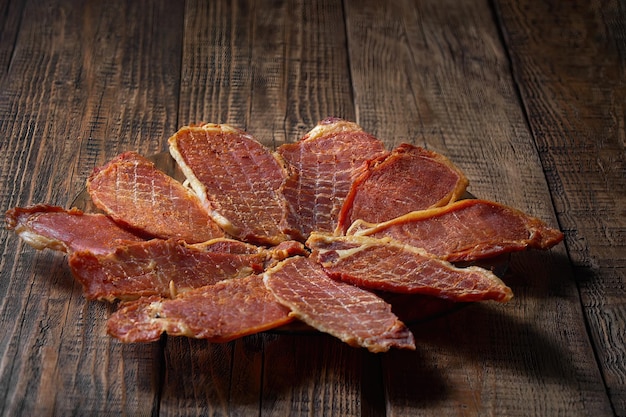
383	264
44	226
237	179
409	178
161	267
324	163
220	313
355	316
136	194
467	230
273	254
283	251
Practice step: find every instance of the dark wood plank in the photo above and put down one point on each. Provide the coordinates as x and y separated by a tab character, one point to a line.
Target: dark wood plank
215	63
86	80
274	69
435	73
316	66
197	378
10	19
313	374
570	63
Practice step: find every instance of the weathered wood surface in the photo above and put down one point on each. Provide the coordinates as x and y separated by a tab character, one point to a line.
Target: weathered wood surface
527	98
572	79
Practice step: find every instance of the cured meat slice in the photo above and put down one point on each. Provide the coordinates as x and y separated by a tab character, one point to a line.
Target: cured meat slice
285	250
324	163
237	179
383	264
410	178
161	267
355	316
45	226
220	313
273	255
467	230
137	195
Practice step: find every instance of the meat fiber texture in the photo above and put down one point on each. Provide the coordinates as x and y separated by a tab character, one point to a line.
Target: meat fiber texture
408	179
200	258
236	178
324	164
468	230
159	267
221	312
387	265
133	192
44	226
355	316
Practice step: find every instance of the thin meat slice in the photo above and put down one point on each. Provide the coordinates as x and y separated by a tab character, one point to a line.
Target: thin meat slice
387	265
355	316
162	267
324	163
136	194
45	226
283	251
467	230
410	178
220	313
237	179
273	254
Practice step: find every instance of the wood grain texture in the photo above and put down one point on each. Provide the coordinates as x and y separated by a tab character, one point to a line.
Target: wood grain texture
10	20
306	372
450	75
289	70
86	80
570	63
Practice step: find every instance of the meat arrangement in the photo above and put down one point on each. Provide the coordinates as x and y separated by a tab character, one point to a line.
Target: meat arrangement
326	231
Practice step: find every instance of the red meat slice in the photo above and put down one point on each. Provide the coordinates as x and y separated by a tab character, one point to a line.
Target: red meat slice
44	226
355	316
467	230
237	179
324	163
220	313
382	264
285	250
162	267
136	194
408	179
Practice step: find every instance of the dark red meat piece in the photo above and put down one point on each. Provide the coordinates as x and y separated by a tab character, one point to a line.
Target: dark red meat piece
220	313
136	194
382	264
285	250
324	163
237	179
160	267
355	316
467	230
44	226
410	178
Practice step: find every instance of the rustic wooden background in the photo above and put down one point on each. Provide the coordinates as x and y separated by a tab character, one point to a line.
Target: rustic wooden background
527	97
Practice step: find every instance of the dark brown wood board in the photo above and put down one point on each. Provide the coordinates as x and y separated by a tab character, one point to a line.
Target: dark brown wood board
289	72
85	81
569	61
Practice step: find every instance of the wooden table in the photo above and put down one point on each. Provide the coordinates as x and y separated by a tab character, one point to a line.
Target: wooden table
528	98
